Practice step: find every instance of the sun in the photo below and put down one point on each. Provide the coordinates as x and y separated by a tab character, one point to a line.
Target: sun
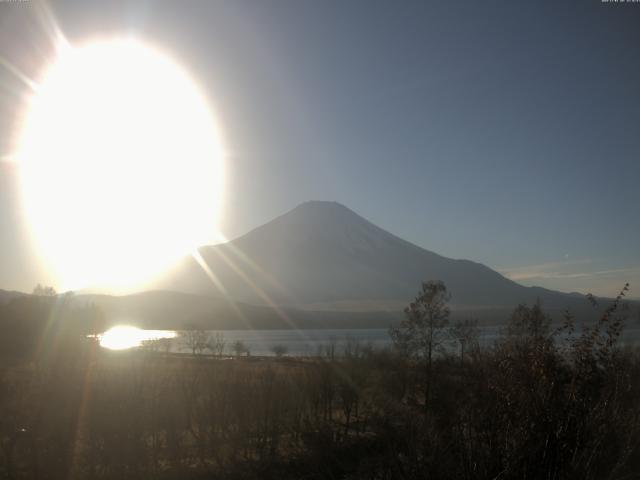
120	163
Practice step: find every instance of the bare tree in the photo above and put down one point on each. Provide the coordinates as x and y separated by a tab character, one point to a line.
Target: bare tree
422	332
196	339
44	291
465	334
239	348
217	344
157	345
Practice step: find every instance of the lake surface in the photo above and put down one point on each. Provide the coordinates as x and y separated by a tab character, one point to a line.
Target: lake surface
259	342
296	342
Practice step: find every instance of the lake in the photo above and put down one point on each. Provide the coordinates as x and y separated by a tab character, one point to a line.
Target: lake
259	342
297	342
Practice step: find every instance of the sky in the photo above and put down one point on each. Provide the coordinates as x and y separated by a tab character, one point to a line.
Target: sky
502	132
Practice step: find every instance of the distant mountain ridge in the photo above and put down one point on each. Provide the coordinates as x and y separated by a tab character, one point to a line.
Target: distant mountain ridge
323	253
176	311
8	295
320	265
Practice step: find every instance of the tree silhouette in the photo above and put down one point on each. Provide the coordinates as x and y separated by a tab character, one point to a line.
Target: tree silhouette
44	291
465	334
196	339
239	348
279	350
422	332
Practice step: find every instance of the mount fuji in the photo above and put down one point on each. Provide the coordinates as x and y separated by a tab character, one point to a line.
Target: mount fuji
323	256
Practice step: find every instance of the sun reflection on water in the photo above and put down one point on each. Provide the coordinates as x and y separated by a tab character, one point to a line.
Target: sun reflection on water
122	337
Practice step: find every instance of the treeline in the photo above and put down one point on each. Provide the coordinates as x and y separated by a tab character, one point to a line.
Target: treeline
45	324
546	400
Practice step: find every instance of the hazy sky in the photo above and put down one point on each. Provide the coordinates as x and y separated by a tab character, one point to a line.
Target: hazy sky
499	131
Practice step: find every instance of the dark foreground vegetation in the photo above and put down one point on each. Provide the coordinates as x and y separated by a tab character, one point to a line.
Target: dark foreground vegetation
545	401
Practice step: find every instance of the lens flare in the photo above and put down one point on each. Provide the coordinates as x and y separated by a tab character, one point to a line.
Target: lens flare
121	165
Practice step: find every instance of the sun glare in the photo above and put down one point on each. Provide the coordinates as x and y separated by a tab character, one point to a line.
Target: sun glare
120	163
123	337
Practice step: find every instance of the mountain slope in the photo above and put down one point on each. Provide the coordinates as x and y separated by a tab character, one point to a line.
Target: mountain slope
322	252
